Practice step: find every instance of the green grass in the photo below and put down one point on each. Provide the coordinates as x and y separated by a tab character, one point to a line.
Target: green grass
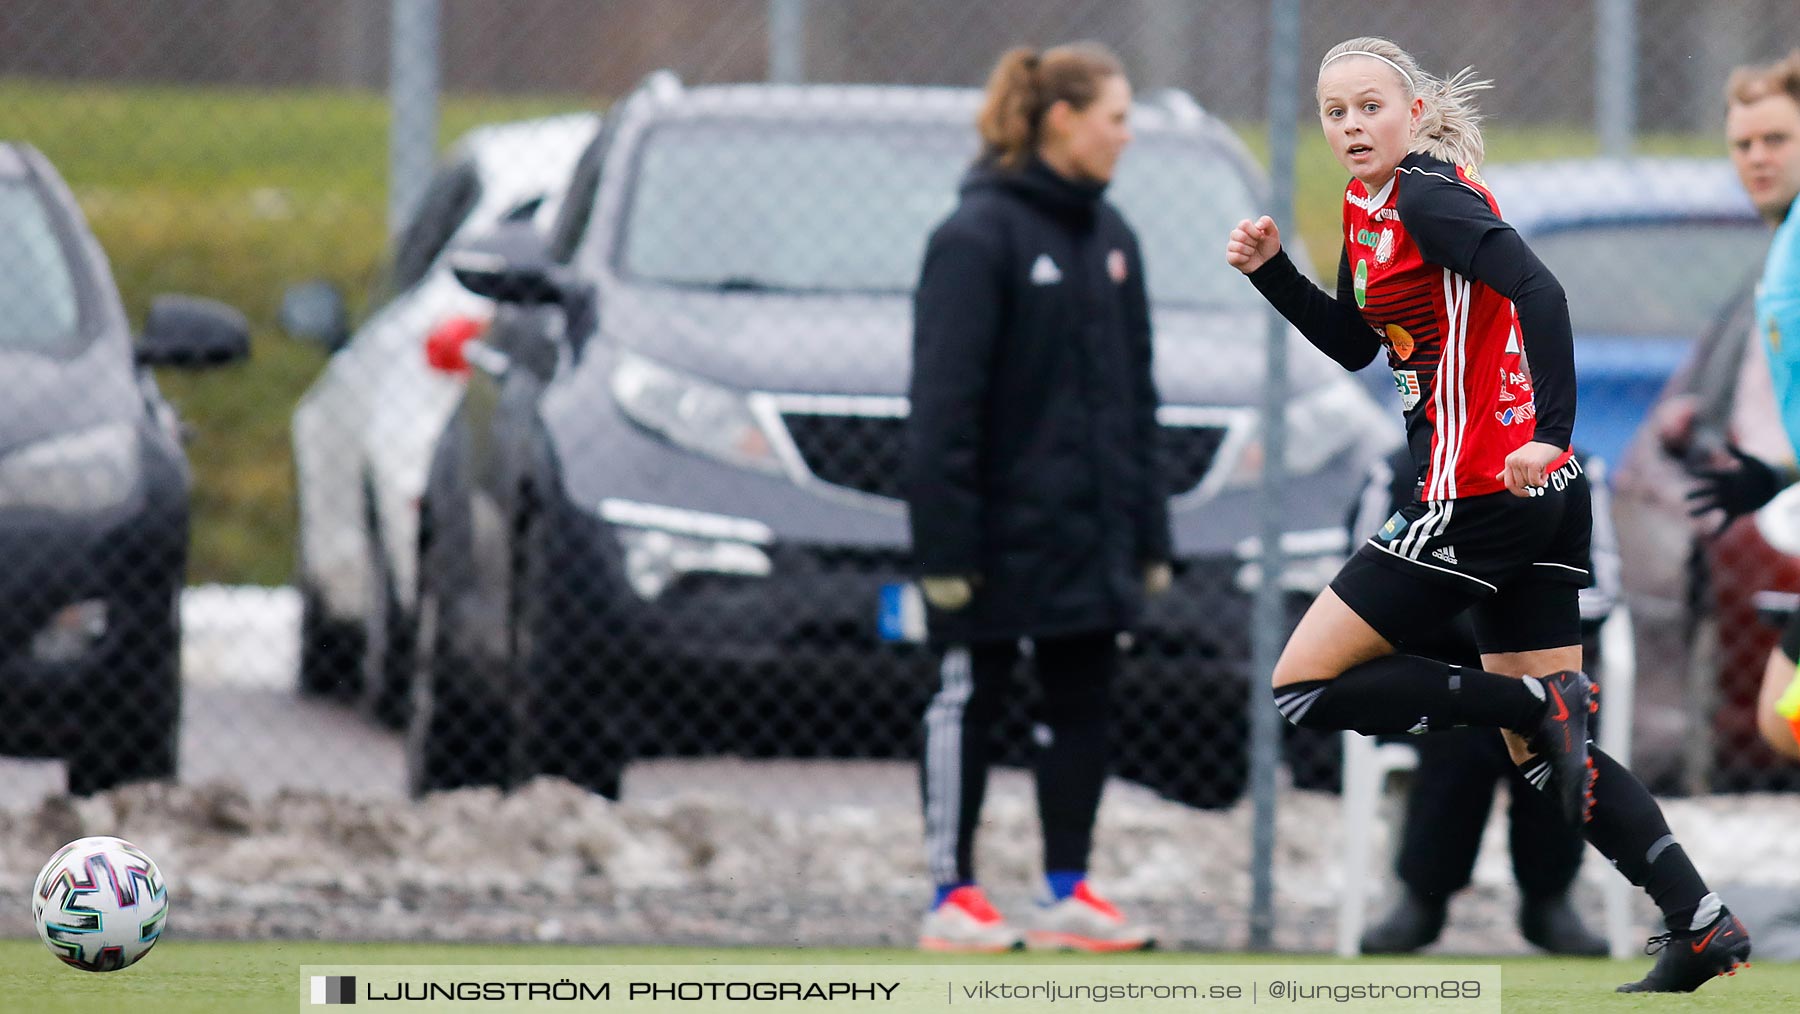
237	193
186	977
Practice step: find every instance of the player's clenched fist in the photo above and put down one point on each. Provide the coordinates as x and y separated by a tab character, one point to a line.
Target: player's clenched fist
1252	244
1527	468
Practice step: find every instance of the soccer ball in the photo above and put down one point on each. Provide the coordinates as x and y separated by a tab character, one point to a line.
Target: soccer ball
99	903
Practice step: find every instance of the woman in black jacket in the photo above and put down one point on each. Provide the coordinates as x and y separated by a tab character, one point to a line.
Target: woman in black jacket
1038	510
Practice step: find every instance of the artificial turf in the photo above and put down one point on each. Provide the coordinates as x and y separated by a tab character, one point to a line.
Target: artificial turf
208	977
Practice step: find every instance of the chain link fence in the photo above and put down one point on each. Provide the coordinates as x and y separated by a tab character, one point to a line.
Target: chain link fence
639	527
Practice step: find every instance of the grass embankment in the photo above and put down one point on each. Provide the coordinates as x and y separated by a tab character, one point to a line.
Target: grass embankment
234	195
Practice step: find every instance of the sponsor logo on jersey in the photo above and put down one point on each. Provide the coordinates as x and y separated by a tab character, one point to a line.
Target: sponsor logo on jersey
1473	174
1407	383
1446	554
1506	394
1044	271
1517	414
1381	242
1361	285
1400	340
1115	266
1387	215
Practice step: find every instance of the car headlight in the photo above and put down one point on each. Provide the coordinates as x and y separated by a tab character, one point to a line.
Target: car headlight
1321	425
698	415
84	472
654	559
663	543
71	632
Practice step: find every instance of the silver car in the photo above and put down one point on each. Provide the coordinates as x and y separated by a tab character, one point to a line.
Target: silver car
363	432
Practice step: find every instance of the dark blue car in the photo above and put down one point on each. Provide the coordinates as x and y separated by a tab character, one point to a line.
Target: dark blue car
1649	251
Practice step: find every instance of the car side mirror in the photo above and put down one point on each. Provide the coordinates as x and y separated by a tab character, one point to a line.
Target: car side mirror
512	265
192	332
314	311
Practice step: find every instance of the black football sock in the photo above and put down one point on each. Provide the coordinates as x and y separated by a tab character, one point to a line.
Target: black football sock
1628	828
1406	693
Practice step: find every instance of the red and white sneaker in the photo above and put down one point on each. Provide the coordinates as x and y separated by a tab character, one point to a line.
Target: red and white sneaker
1084	921
967	923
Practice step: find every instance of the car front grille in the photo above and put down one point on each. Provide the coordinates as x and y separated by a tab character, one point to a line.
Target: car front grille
1188	453
866	452
860	452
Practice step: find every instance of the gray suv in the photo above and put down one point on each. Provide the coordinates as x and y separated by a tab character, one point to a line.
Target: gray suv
94	492
665	518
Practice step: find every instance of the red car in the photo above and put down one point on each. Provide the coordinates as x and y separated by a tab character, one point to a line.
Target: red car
1701	643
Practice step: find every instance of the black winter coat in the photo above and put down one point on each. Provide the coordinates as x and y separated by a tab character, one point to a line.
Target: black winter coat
1031	452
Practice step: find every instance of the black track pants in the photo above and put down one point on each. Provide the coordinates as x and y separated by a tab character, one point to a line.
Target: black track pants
1074	674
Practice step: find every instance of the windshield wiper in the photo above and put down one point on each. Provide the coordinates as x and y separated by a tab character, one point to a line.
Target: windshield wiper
745	283
750	283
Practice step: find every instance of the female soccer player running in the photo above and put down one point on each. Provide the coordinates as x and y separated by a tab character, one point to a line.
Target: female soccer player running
1501	522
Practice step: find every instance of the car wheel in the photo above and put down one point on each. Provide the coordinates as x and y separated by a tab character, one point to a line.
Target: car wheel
329	650
1183	729
576	725
576	738
387	655
140	740
1315	757
454	737
1214	764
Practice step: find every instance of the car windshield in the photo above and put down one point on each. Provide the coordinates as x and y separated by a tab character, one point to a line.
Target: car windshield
36	286
1651	279
815	207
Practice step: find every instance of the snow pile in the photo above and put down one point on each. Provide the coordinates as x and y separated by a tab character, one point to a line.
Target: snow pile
552	862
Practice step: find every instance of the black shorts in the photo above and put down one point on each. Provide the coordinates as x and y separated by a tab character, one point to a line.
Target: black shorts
1518	562
1790	638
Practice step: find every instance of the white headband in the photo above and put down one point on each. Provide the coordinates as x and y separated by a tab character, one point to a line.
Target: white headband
1404	76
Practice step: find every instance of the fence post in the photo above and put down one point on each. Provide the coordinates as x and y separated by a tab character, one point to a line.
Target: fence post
1615	75
787	41
413	106
1271	620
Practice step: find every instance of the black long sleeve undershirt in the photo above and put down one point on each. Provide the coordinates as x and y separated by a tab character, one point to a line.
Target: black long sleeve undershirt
1335	326
1455	226
1505	264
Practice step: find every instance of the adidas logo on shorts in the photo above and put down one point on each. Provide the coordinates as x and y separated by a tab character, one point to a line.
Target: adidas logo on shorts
1446	554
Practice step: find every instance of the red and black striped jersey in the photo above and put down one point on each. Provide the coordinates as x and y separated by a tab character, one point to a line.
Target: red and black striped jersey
1452	342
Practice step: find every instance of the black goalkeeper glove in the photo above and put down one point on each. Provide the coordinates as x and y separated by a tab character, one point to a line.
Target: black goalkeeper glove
1736	490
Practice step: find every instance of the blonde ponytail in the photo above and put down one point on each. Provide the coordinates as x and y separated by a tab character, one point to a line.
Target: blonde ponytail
1450	126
